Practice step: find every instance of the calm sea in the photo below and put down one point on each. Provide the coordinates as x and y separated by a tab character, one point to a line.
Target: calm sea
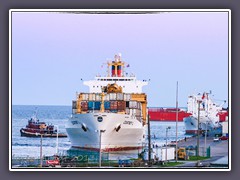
58	115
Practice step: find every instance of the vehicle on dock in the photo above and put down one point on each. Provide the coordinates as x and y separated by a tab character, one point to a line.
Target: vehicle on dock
182	153
191	147
216	139
51	161
160	154
223	138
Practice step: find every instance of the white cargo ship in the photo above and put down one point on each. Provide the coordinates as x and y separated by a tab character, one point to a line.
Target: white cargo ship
113	115
208	110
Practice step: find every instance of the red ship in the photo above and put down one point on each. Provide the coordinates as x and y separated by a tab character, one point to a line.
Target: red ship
167	114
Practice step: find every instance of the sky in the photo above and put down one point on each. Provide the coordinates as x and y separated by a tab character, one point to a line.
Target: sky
52	52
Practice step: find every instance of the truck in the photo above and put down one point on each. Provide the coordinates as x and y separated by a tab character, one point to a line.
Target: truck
182	153
165	153
160	154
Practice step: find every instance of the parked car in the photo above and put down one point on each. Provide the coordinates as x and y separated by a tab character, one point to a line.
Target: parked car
191	147
223	138
216	139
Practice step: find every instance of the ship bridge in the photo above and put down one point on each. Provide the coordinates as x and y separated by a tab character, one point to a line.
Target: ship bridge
129	84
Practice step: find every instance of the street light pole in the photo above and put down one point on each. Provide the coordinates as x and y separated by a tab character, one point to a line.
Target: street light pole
57	141
149	141
198	127
166	141
205	144
176	155
199	101
100	143
41	159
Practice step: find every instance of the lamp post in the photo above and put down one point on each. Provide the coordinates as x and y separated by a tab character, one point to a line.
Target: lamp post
57	141
100	142
166	141
176	155
199	101
41	158
205	144
149	141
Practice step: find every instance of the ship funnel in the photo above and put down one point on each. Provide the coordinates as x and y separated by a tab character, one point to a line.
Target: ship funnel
117	66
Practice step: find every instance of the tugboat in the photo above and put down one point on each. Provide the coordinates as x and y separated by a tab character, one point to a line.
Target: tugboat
35	128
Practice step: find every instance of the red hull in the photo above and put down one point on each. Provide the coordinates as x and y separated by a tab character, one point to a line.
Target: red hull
223	116
168	114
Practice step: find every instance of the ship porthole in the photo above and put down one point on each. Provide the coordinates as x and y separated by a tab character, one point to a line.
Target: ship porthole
100	119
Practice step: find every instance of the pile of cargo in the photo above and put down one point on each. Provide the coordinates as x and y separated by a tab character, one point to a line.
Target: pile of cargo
113	102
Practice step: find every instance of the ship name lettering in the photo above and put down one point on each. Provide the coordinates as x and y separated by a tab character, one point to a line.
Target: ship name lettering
74	122
128	122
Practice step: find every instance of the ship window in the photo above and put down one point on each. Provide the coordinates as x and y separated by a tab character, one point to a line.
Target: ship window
94	86
121	79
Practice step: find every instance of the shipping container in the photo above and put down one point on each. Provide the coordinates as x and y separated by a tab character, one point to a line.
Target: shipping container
84	96
112	96
106	97
74	104
74	111
107	105
120	96
127	97
98	97
138	112
133	104
121	105
94	105
84	105
97	105
127	111
113	105
138	105
91	97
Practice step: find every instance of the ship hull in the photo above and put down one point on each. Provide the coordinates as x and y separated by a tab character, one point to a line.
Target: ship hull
121	132
191	125
163	115
26	133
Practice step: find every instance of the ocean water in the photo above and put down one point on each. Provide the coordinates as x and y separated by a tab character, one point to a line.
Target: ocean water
58	115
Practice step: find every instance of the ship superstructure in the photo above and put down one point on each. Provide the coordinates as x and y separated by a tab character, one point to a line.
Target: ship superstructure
208	111
112	115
